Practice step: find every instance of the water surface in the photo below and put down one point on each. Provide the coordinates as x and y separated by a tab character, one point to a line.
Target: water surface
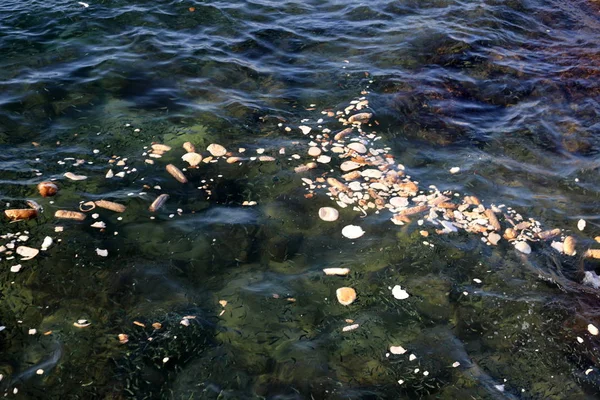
506	90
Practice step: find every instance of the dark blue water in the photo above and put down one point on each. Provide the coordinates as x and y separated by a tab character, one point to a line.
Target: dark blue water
507	91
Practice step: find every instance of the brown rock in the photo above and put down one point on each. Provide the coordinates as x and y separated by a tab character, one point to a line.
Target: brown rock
569	245
47	189
176	173
361	118
492	219
472	200
109	205
413	210
64	214
342	134
337	184
546	235
593	253
346	295
158	202
510	234
20	214
189	147
351	176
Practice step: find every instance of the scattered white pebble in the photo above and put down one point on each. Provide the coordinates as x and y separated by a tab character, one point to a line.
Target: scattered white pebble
455	364
580	340
352	231
412	357
399	293
397	350
15	268
350	327
476	280
32	331
165	360
587	371
400	381
500	388
46	243
523	247
40	372
581	224
454	170
102	252
593	330
305	129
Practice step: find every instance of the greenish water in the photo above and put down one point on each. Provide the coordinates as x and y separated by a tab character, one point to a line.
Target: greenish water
507	91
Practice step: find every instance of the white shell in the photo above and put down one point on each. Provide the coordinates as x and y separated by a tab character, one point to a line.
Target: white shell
74	177
305	129
349	166
494	238
336	271
398	202
216	150
399	293
358	147
352	231
593	330
355	186
581	224
102	252
372	173
161	147
397	350
47	243
192	158
314	151
27	252
523	247
328	214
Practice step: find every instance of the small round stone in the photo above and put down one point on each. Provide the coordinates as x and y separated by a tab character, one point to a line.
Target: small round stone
329	214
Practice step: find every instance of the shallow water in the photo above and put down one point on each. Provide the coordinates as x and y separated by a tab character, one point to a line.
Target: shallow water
507	91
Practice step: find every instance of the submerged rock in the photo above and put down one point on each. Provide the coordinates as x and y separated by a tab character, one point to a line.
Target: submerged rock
352	231
47	189
523	247
329	214
345	295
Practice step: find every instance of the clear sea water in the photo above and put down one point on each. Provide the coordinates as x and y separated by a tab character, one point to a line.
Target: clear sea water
509	91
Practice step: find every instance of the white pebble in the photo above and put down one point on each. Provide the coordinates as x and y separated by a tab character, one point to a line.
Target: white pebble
102	252
352	231
397	350
399	293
